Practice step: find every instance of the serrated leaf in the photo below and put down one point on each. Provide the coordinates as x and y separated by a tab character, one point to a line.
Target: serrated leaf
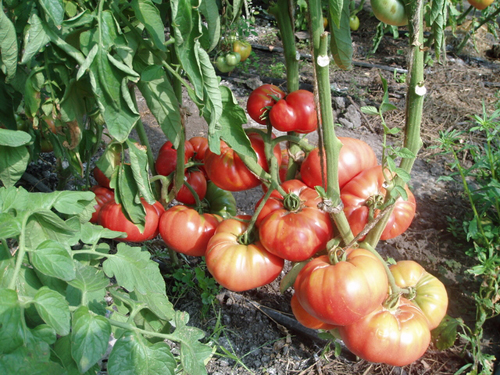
140	167
11	325
89	338
134	270
399	191
88	279
162	102
35	38
13	162
445	335
370	110
385	107
8	46
149	15
46	225
53	259
340	41
158	303
405	176
404	152
132	354
91	234
53	309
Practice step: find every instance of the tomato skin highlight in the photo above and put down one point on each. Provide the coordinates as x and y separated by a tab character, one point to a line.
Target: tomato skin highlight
294	235
396	338
186	231
229	172
236	266
355	156
112	217
345	292
368	184
306	319
430	293
295	112
261	99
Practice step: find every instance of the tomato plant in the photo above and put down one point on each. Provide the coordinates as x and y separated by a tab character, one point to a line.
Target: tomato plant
295	112
480	4
238	264
292	226
261	100
306	319
344	292
427	291
102	196
229	172
186	231
355	156
242	48
397	336
112	217
362	197
391	12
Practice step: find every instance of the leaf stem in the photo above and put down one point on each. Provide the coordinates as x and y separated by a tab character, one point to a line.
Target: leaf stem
21	252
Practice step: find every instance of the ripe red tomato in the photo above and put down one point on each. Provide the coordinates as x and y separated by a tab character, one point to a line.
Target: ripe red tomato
480	4
306	319
429	292
186	231
228	171
294	230
198	182
112	217
101	178
367	187
238	266
397	337
261	100
355	156
102	196
200	146
167	157
344	292
296	112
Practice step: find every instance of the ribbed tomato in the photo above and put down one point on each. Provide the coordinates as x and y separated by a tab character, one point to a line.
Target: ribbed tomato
397	337
355	156
296	112
112	217
293	227
306	319
228	171
102	196
186	231
167	157
261	100
344	292
198	182
367	189
238	265
429	293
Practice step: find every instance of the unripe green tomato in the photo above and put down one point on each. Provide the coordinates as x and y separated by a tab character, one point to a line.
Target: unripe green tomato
221	65
391	12
233	58
354	22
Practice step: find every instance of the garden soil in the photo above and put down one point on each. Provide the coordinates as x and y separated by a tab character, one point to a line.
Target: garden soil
254	332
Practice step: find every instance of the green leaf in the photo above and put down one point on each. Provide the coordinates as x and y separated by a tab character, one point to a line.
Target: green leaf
13	162
8	46
46	225
134	270
370	110
13	199
399	191
149	15
53	259
128	194
89	338
340	41
445	335
230	127
132	354
162	102
405	176
91	234
45	333
54	9
14	138
385	107
11	321
53	309
88	62
35	38
212	17
158	303
88	279
140	167
289	279
62	351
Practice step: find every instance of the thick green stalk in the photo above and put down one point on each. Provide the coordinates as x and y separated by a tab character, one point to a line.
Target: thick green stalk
331	144
414	103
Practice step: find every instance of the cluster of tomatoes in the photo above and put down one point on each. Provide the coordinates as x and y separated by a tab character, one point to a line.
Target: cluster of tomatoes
344	290
228	60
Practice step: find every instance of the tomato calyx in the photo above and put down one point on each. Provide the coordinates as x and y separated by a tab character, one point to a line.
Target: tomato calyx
247	237
292	202
337	255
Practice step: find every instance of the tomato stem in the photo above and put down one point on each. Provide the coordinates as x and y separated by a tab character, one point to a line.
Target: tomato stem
301	142
259	208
